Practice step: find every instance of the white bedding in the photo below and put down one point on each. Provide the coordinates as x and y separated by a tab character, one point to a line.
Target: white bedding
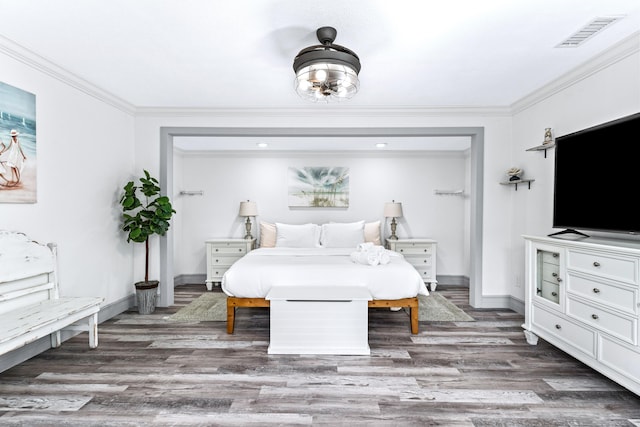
253	275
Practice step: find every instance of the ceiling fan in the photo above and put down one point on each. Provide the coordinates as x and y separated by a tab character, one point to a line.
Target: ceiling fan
326	72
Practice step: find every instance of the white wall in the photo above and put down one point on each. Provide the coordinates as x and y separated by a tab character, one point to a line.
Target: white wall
85	154
603	93
375	178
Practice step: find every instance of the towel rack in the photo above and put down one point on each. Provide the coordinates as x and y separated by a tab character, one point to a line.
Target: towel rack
449	192
192	193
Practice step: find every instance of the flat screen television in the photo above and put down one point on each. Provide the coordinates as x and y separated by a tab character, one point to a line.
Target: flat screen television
597	172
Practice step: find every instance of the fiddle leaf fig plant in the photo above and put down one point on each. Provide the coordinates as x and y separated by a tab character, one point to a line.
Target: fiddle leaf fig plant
145	212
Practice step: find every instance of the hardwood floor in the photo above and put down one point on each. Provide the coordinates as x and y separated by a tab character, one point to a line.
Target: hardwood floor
150	371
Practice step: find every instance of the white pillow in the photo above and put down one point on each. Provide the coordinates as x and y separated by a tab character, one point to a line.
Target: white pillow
297	236
342	235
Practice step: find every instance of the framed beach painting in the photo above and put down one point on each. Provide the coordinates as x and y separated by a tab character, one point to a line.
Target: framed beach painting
319	187
17	145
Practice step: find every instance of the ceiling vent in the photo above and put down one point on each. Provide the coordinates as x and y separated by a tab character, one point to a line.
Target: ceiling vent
588	31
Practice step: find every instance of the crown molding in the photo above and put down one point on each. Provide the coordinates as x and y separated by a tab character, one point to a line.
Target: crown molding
338	111
614	54
43	65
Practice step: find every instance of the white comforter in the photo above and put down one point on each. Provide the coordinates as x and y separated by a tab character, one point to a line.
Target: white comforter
253	275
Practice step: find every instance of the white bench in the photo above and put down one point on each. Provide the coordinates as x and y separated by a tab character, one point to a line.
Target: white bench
30	305
319	320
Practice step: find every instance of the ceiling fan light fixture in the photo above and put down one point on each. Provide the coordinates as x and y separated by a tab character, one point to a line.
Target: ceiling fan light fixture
326	72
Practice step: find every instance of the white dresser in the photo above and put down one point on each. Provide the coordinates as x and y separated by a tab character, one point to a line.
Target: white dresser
582	297
421	253
221	254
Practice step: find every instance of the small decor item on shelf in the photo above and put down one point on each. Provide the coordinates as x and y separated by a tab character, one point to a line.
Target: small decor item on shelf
515	174
548	138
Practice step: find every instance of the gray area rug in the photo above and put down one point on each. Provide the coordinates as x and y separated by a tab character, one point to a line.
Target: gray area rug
436	308
212	307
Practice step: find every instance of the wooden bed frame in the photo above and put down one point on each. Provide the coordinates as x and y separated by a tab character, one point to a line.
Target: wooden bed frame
235	302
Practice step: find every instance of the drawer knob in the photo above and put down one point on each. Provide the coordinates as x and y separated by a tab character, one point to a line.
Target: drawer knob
217	260
559	279
596	264
555	255
539	291
425	261
554	294
594	316
554	274
596	290
239	249
401	250
558	326
425	250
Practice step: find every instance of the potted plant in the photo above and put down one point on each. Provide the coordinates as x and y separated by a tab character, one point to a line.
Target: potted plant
145	212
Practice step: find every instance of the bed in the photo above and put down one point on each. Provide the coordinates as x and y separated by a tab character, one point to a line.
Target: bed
290	262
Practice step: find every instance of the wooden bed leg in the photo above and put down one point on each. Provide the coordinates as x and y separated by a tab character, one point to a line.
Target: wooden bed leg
231	316
414	317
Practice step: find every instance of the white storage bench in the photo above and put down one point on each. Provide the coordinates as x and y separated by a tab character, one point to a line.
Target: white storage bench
30	305
319	320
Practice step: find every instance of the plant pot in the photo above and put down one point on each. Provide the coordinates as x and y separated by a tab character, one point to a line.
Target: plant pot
146	294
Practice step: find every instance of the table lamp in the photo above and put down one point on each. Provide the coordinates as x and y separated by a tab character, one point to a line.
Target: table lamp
393	210
248	209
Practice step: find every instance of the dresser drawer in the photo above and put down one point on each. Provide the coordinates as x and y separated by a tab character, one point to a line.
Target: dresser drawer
426	273
413	249
550	291
229	248
621	358
216	272
565	330
550	272
622	327
600	292
223	260
613	267
550	257
419	262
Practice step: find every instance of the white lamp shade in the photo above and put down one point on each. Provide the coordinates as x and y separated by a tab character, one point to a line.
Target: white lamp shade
393	210
248	209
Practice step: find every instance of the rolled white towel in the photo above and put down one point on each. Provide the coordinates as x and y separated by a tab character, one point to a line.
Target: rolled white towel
365	246
373	258
376	256
365	258
360	257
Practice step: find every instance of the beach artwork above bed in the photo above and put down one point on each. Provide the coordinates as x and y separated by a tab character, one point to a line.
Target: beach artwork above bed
17	145
319	187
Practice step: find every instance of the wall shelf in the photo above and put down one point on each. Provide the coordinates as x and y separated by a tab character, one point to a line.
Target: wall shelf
520	181
543	147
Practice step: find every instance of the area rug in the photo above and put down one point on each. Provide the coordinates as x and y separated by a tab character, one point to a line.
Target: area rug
212	307
436	308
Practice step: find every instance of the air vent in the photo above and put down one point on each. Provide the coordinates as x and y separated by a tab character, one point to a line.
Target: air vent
588	31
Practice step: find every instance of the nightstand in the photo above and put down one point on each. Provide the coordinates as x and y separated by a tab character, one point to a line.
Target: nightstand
421	253
221	254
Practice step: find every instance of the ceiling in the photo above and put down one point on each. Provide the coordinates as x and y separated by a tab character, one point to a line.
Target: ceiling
214	54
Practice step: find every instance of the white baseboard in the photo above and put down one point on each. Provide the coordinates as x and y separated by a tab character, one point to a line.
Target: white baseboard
185	279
